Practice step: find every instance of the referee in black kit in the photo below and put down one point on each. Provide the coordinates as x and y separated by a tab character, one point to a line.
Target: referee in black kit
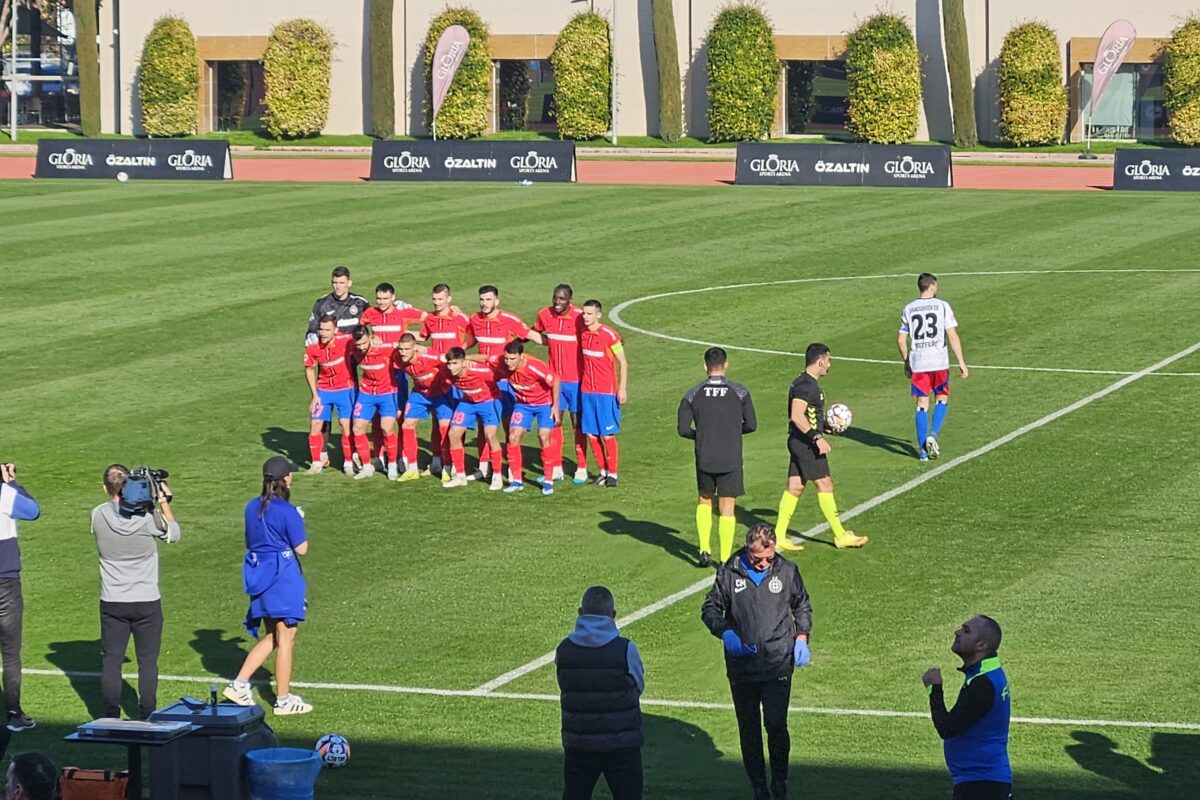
716	414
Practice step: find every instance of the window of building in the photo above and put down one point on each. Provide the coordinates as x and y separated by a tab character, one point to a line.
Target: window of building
1131	107
240	87
816	97
525	96
49	94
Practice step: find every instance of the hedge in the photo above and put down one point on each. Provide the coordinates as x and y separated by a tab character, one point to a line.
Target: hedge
883	74
383	72
801	103
88	54
958	65
515	83
1033	96
464	112
582	62
1181	83
296	66
743	75
666	53
169	79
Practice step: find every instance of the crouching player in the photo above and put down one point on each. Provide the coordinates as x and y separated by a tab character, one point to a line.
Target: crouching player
376	395
430	397
479	404
537	394
327	368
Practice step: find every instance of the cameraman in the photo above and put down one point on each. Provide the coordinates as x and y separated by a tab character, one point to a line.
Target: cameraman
129	598
15	504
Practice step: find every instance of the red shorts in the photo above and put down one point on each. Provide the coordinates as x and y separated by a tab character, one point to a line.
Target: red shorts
927	383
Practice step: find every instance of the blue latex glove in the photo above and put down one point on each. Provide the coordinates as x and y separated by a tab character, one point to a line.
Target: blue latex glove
800	653
735	646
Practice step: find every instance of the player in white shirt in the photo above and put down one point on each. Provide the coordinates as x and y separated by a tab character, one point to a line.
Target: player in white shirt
929	322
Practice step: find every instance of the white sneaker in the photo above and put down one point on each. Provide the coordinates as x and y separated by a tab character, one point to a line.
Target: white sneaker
316	468
348	468
497	483
581	476
931	447
557	474
393	472
239	694
514	487
366	472
292	704
455	482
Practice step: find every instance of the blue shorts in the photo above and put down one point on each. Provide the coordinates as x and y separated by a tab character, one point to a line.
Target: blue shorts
419	407
600	414
466	414
401	379
568	396
368	405
342	400
523	416
508	399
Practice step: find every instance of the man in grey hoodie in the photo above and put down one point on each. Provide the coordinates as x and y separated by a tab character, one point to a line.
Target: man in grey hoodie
129	598
600	680
15	504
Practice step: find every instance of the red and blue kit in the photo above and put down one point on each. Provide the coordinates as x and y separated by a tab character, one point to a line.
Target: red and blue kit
562	332
600	412
430	387
494	332
533	387
477	385
443	331
393	324
376	386
335	384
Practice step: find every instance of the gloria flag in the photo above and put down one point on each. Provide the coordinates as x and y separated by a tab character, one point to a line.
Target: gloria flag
451	47
1115	45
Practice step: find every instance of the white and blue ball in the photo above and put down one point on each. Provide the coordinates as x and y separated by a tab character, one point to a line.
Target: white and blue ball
334	750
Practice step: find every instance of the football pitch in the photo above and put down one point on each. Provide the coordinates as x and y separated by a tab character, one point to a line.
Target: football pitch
163	324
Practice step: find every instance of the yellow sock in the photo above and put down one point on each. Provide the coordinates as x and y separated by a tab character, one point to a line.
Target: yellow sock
725	532
704	526
787	507
829	509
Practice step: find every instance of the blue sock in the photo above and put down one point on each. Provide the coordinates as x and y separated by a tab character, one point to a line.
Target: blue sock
939	416
922	428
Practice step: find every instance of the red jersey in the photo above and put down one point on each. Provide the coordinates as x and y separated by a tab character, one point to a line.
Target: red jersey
477	383
395	323
443	331
533	384
429	374
599	349
332	363
376	366
492	333
562	332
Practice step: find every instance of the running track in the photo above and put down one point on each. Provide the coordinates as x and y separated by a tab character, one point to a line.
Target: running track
641	172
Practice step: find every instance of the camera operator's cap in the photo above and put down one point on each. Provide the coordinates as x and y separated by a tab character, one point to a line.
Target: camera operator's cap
277	468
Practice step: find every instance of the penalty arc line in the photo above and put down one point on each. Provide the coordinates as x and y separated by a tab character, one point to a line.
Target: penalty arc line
659	703
865	506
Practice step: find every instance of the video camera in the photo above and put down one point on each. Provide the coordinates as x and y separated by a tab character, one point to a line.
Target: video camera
140	491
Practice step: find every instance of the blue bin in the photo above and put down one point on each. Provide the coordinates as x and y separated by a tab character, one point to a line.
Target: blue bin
282	773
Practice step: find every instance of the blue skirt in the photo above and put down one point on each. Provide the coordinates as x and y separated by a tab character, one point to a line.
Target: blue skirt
276	588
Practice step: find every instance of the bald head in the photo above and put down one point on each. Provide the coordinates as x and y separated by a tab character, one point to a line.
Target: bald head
598	601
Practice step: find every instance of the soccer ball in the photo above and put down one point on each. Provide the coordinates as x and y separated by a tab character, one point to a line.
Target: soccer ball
122	176
334	750
838	417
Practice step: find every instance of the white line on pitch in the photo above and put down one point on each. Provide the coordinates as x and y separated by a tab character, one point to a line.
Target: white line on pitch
553	698
865	506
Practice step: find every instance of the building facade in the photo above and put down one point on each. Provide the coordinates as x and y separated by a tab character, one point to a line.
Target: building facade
810	39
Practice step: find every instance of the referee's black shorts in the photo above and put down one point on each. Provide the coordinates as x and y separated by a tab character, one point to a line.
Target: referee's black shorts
806	463
720	484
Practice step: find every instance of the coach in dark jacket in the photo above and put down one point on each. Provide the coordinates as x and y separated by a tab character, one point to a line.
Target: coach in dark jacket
600	680
759	608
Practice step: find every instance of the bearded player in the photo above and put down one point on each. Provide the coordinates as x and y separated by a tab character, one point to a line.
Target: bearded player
327	369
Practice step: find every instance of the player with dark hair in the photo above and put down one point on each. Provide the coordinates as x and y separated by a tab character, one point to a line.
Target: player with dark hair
477	385
602	390
389	319
809	450
327	370
561	325
445	327
376	395
345	307
430	397
536	392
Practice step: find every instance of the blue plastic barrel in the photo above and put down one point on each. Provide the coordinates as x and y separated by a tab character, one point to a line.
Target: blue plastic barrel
282	773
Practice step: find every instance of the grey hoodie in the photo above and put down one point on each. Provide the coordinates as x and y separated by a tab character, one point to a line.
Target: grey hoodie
594	630
128	556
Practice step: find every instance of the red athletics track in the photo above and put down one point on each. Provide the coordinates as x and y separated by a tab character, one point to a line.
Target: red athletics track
642	172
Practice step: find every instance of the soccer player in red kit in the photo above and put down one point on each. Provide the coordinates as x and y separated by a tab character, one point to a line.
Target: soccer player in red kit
536	392
430	397
327	369
602	390
376	395
561	324
389	319
477	385
445	328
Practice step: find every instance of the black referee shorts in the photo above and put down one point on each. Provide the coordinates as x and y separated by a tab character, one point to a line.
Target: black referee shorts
720	484
806	463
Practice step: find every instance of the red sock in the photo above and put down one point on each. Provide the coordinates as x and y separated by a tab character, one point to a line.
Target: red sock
443	434
496	457
610	454
516	464
598	452
363	445
485	452
458	457
549	462
556	440
580	450
410	446
391	443
316	446
347	448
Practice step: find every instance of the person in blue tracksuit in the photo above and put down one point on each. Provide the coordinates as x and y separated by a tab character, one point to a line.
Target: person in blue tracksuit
975	732
271	573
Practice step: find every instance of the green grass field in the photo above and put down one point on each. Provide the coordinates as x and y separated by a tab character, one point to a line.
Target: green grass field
162	324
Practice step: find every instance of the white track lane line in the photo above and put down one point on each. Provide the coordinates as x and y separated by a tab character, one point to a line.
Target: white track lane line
864	507
553	698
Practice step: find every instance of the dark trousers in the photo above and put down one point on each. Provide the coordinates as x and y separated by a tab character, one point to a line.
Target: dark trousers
622	770
12	613
982	790
771	697
117	621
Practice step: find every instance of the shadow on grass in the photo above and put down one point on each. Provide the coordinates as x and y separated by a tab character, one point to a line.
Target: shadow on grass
293	445
81	661
651	533
881	441
223	655
1173	769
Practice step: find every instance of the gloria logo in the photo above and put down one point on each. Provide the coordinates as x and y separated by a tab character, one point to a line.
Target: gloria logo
1147	170
1113	54
773	166
189	161
448	59
71	159
469	163
532	162
908	168
406	162
851	167
114	160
